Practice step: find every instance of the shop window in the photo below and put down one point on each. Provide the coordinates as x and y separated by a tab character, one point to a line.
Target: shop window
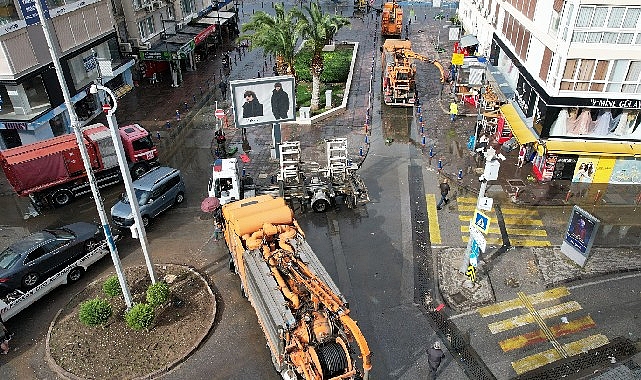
8	12
25	100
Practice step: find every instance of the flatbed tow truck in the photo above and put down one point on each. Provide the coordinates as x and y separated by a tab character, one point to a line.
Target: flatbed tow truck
18	300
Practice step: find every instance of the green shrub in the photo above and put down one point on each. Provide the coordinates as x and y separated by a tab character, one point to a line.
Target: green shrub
140	316
111	287
95	312
157	294
336	65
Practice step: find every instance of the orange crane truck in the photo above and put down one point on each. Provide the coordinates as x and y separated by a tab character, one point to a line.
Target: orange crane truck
304	317
399	72
392	20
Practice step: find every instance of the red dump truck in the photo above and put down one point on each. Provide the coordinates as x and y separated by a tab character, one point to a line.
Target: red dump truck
52	174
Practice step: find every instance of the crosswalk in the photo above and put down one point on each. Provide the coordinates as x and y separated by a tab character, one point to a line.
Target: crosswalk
546	342
524	226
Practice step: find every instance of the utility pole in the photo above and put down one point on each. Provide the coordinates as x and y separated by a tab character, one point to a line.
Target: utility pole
480	223
75	124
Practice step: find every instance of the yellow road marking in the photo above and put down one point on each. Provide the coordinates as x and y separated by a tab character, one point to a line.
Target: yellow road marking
489	240
530	243
512	231
508	220
537	298
514	211
540	359
524	319
435	229
538	336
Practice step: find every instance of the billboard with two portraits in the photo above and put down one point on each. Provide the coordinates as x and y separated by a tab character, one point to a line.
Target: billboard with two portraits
263	100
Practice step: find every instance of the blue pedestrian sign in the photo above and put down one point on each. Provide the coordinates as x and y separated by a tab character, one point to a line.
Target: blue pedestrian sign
481	221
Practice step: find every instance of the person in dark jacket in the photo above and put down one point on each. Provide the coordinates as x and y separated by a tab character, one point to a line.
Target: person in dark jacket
252	106
434	357
280	102
445	189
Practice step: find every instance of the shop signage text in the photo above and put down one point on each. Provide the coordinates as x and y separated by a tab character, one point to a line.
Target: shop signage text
616	103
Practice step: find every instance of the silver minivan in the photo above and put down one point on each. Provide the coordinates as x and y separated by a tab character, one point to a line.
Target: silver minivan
156	191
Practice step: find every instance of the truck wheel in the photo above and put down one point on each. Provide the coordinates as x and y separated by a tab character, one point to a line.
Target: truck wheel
139	170
30	280
180	198
75	274
62	197
320	205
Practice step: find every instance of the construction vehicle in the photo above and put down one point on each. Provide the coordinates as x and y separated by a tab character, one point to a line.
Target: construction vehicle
303	315
52	173
392	20
304	183
399	72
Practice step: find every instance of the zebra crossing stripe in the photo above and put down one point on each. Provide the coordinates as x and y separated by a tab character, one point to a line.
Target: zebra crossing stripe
540	359
435	229
537	298
512	231
538	336
525	319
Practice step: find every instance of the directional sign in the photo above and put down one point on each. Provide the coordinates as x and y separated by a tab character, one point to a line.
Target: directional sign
219	113
481	221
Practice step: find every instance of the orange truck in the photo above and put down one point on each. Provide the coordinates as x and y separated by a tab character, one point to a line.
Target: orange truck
304	317
392	20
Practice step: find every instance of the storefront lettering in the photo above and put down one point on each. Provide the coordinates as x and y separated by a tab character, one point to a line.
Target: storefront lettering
614	103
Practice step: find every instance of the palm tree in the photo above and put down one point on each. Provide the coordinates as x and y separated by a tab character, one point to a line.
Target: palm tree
277	35
319	30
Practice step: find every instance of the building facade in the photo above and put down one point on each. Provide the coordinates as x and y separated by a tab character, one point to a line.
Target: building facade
574	72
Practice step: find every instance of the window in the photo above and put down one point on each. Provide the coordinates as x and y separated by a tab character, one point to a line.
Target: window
600	14
24	100
54	245
8	12
609	38
616	16
626	38
188	6
146	27
631	18
584	17
554	24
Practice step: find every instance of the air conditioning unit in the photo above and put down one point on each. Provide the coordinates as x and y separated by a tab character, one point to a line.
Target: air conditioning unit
125	47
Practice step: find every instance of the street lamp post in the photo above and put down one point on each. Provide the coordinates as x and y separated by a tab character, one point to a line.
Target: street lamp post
124	169
75	124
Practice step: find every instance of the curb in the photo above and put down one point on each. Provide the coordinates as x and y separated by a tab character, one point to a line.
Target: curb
153	375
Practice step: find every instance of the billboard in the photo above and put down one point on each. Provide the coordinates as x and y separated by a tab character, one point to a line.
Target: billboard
579	236
263	100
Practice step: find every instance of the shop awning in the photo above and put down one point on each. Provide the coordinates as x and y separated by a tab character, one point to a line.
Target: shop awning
469	40
522	132
594	148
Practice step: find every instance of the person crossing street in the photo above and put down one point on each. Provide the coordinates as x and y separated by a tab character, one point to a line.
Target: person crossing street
434	357
445	189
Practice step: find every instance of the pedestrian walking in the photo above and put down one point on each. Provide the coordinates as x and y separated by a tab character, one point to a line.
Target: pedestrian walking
223	88
453	110
218	231
521	158
177	115
5	337
434	357
445	189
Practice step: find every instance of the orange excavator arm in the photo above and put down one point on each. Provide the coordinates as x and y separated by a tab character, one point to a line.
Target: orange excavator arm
411	54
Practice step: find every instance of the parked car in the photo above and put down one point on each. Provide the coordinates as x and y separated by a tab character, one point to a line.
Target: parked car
29	261
156	191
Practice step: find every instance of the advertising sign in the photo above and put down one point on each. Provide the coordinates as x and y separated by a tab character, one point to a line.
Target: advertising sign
263	100
579	236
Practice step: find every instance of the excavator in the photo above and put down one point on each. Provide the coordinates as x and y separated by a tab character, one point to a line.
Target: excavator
392	20
399	72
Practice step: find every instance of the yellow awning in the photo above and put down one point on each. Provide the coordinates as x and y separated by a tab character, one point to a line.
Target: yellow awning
521	131
594	148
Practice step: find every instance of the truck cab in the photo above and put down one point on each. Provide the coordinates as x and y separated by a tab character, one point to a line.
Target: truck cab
139	148
225	183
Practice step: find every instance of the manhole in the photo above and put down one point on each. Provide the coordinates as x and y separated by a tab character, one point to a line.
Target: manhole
458	298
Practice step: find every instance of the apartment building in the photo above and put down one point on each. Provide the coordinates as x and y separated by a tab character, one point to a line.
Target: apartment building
118	41
572	69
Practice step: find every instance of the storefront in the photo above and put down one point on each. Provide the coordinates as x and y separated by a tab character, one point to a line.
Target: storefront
168	59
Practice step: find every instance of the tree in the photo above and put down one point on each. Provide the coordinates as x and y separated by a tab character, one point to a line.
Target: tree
319	30
276	35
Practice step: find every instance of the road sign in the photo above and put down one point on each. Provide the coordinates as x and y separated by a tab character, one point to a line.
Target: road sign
471	273
106	107
474	254
219	113
486	203
481	221
478	238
